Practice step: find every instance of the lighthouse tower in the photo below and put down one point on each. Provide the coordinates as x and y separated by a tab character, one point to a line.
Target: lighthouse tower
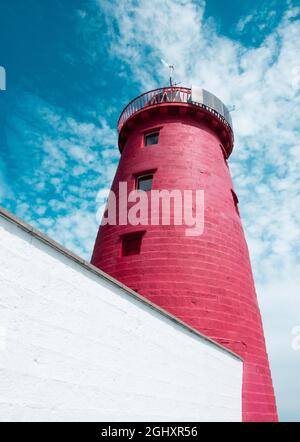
177	138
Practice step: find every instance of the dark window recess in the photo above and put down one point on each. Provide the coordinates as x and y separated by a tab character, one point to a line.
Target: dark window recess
151	138
235	200
144	182
131	243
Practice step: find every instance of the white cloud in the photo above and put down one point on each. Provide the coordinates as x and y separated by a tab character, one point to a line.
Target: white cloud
280	303
257	21
65	171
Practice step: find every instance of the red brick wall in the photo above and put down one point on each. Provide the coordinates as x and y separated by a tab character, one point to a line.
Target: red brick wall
206	281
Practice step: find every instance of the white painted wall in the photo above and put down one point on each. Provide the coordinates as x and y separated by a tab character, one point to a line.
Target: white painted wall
77	347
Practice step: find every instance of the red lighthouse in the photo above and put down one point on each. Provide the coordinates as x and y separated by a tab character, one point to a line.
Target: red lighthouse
179	138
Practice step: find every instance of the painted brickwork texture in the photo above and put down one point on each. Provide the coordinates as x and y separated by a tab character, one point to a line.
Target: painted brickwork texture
205	281
76	347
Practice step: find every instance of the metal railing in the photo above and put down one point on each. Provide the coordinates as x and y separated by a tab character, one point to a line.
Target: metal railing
173	94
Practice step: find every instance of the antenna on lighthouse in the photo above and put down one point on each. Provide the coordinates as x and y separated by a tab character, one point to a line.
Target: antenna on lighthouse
171	68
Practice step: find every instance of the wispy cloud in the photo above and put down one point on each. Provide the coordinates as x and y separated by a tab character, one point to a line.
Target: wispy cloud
69	161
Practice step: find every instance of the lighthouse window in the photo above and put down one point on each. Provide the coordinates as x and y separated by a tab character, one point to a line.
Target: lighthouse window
131	243
144	182
151	138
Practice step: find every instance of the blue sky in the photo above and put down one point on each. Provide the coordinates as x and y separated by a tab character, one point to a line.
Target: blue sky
71	67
